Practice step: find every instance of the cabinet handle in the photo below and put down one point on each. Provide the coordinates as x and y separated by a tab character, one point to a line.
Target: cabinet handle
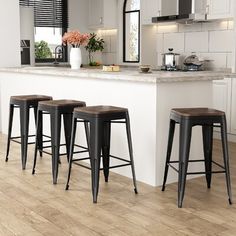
101	20
159	13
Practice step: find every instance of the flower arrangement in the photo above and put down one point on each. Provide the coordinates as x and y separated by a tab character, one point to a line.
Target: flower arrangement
75	39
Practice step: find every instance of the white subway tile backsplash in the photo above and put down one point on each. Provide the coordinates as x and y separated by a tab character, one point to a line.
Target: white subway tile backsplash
196	42
215	25
190	28
175	41
109	54
221	41
217	60
113	40
167	28
211	40
160	44
229	61
230	25
109	58
107	44
159	59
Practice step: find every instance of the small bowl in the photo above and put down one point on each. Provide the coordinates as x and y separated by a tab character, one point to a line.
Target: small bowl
145	68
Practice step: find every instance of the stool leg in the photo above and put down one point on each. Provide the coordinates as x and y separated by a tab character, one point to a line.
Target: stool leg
168	153
38	128
40	135
24	128
11	112
86	128
128	131
226	157
106	149
207	135
184	148
72	142
55	140
67	128
96	132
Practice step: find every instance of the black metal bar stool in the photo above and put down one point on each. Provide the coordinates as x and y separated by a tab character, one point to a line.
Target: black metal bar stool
187	118
24	103
56	108
100	119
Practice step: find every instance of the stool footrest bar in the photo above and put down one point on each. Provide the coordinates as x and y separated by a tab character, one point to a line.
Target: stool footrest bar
204	172
110	167
119	158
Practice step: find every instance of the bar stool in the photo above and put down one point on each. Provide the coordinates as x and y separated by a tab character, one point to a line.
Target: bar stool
187	118
24	103
56	108
100	119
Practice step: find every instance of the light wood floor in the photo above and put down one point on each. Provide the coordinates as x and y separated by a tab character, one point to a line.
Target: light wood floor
31	205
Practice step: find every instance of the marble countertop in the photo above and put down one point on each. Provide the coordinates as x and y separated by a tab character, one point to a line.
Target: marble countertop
124	74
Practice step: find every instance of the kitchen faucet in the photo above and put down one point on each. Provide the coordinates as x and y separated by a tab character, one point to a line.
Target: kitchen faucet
58	51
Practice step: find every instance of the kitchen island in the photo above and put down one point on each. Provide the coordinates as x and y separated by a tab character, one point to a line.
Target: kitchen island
149	98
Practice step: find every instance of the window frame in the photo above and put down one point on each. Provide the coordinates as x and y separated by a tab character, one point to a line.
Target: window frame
64	55
63	28
124	32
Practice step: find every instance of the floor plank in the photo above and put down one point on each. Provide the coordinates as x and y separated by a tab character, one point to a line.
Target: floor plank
32	205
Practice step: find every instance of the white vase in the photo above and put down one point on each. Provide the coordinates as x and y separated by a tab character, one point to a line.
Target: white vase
75	58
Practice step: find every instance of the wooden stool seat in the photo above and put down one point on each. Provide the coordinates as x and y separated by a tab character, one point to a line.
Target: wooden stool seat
29	99
194	112
61	105
109	112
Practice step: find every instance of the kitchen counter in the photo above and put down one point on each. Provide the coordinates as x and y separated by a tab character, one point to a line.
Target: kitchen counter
149	98
124	74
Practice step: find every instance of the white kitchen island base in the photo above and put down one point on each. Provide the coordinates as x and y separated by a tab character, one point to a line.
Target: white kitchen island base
149	103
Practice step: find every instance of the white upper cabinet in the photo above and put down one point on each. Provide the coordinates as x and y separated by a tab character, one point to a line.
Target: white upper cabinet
169	7
219	9
215	9
102	14
149	9
201	6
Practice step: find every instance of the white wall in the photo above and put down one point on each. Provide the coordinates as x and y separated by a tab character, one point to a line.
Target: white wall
10	33
78	20
27	29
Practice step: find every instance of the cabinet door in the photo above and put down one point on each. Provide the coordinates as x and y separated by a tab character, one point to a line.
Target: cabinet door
222	98
149	9
218	9
95	13
169	7
233	107
200	6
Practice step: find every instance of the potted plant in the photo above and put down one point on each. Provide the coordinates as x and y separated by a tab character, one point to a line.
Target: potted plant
94	44
75	39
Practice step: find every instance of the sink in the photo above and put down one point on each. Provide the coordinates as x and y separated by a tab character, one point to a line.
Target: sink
62	64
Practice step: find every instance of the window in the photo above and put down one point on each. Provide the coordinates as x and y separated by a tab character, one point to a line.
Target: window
131	31
51	22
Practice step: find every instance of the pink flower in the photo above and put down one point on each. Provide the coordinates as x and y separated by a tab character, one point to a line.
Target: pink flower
75	38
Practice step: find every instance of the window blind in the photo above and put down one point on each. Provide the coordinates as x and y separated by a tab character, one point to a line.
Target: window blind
49	13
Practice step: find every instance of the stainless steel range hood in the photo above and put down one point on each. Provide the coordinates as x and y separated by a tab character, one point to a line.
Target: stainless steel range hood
187	11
